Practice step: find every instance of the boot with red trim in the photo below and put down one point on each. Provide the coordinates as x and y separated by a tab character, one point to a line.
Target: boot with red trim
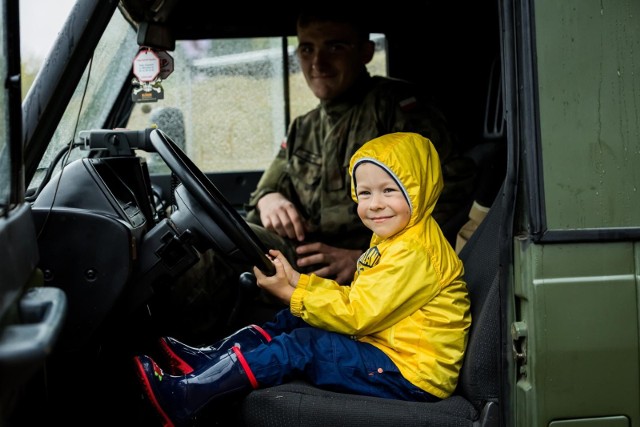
178	399
183	359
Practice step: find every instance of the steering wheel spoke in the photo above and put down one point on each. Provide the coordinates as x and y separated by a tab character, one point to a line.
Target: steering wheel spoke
213	217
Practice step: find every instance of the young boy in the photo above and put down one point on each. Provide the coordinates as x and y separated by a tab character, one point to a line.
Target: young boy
399	330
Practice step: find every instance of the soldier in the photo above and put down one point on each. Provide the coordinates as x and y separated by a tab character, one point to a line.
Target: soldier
303	196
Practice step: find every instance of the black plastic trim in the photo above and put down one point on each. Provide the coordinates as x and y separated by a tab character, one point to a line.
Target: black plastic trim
589	235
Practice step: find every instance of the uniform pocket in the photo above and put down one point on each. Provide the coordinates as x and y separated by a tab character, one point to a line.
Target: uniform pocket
305	167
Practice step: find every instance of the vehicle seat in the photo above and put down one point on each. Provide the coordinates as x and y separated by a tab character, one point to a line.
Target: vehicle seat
476	399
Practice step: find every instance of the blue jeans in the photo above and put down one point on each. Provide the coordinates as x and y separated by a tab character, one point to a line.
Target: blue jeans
327	360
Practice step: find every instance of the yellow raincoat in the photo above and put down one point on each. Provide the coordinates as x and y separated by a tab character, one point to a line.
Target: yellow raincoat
408	296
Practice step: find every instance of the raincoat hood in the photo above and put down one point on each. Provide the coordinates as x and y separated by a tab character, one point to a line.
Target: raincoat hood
412	160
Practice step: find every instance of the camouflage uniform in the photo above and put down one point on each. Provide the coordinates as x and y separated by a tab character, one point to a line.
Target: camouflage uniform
311	168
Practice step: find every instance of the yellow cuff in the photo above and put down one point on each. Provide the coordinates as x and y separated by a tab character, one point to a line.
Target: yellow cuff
296	299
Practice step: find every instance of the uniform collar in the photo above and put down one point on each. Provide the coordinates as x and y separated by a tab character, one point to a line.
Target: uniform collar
352	96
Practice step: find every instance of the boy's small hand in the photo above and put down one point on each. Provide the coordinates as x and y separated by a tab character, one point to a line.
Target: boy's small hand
283	282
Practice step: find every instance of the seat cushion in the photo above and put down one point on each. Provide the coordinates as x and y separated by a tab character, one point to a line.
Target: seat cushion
300	404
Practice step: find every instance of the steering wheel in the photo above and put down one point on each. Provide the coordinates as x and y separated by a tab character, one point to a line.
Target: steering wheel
226	227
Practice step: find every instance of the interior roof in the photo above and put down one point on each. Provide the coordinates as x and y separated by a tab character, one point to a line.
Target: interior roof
193	19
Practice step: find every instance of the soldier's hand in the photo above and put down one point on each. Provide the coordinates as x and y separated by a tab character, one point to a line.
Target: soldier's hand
279	215
336	263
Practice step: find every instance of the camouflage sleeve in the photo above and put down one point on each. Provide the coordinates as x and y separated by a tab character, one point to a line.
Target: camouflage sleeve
430	122
458	171
417	112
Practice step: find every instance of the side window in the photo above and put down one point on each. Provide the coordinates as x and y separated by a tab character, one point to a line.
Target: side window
594	111
226	101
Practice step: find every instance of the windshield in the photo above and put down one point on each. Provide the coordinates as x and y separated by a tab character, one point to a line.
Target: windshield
96	91
226	102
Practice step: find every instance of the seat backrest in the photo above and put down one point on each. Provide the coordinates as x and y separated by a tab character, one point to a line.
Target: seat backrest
479	377
476	400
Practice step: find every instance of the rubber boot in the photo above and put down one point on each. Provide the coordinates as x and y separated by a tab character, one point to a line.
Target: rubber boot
178	399
183	359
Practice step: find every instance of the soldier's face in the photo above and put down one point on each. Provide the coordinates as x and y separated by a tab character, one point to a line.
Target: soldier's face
331	57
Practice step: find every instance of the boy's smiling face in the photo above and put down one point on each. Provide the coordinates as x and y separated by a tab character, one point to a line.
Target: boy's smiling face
382	206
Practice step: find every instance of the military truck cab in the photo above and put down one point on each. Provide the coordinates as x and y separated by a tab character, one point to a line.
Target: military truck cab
131	156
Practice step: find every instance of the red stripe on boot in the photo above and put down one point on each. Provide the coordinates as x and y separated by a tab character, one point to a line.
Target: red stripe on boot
264	333
245	366
178	366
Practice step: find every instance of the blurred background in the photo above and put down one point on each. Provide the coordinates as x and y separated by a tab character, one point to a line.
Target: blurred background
40	22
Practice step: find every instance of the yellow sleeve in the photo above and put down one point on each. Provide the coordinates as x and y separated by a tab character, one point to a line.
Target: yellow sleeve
402	282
